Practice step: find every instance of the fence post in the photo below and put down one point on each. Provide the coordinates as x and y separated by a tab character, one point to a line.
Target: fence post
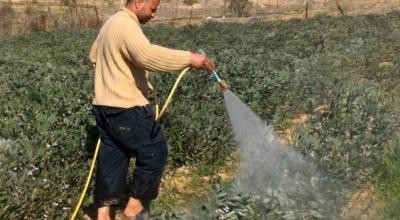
2	19
177	8
77	22
224	8
97	16
306	1
277	5
205	3
2	24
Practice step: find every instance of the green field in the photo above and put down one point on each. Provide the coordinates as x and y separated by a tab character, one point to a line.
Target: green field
348	65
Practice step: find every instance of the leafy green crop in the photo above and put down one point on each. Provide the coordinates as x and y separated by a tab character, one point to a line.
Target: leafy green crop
280	69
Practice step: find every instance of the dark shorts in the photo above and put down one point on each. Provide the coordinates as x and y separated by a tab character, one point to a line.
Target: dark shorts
127	133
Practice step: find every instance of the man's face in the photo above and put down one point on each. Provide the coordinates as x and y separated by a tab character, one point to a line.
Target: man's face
146	13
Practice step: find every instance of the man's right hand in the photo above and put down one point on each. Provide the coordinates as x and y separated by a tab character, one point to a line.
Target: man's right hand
200	61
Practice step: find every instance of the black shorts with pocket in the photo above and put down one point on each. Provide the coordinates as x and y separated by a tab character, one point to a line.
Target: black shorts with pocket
127	133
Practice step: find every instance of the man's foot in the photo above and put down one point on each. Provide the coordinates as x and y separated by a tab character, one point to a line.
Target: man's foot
133	207
143	215
103	213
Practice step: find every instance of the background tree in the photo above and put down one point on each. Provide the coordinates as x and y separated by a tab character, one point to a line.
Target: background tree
240	7
190	3
68	2
7	15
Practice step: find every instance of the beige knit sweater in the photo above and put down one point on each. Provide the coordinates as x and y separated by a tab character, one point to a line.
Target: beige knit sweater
122	55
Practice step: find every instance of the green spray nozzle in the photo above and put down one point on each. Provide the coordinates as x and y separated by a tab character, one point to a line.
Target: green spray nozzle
221	82
216	77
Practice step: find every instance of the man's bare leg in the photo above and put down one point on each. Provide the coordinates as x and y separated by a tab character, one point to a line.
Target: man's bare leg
133	207
103	213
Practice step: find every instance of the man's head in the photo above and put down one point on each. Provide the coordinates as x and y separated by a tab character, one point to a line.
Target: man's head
143	9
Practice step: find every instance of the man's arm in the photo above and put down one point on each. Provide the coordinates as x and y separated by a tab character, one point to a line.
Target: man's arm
93	53
138	49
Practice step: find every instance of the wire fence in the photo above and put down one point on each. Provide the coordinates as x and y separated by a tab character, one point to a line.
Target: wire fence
23	17
26	18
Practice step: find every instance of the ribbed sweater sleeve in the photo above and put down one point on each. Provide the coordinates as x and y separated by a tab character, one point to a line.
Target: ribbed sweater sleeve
93	53
138	49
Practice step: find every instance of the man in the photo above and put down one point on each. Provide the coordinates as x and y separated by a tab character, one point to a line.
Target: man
122	55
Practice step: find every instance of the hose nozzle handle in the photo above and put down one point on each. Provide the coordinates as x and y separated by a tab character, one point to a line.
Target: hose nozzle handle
217	78
221	82
223	86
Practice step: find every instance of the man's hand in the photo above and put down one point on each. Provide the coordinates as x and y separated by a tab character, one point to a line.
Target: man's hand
200	61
